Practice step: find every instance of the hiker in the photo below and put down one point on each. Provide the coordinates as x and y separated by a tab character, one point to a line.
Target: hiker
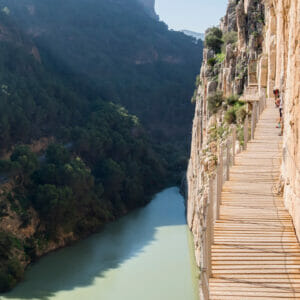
276	96
277	105
281	114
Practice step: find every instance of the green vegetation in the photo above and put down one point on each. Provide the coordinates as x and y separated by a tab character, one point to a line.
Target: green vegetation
215	102
232	99
10	268
230	37
220	57
213	39
236	112
212	61
78	82
240	134
230	116
114	50
217	132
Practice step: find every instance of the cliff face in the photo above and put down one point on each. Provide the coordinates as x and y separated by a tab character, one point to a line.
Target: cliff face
260	50
282	48
226	70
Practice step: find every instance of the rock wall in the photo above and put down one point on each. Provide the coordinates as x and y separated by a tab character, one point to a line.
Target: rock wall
282	48
228	72
261	50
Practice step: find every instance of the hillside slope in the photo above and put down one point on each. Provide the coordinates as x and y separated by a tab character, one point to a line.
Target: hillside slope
87	161
124	54
73	158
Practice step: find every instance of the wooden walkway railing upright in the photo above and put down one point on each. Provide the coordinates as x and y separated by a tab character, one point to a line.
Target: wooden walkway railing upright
244	221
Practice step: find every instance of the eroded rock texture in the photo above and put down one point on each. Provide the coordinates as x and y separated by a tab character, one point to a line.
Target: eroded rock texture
242	29
282	48
261	49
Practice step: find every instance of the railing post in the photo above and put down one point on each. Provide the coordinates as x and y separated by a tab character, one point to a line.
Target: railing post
208	247
233	144
227	158
205	287
261	103
219	183
215	194
208	232
246	132
212	194
253	119
257	115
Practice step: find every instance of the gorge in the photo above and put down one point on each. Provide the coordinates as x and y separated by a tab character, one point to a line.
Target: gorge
256	48
132	258
95	119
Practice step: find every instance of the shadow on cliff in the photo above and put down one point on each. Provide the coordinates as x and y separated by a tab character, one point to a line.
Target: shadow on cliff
81	264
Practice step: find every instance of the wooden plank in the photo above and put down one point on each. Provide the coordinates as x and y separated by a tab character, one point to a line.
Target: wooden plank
256	254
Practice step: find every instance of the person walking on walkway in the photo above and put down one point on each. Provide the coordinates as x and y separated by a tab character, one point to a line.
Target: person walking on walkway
281	114
276	96
277	104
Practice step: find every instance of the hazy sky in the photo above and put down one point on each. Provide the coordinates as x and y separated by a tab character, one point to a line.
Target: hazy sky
195	15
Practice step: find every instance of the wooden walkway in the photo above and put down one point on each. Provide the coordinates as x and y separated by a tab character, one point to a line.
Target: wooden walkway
255	254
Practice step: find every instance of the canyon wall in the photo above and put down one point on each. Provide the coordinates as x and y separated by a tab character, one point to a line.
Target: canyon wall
260	51
282	48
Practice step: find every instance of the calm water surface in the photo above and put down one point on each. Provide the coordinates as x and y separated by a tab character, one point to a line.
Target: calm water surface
146	255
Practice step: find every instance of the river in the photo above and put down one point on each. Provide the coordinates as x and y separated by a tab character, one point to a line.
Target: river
146	255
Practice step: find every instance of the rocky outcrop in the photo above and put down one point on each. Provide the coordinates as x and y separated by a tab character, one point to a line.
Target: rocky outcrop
228	73
261	50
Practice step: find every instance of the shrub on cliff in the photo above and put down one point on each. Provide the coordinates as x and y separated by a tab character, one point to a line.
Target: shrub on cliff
215	102
232	99
236	113
211	61
230	37
213	39
241	114
230	116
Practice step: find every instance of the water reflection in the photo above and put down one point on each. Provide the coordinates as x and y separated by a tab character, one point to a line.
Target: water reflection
119	261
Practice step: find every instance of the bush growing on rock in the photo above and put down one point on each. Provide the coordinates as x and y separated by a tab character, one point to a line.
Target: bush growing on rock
230	116
241	114
215	102
236	113
220	57
212	61
230	37
232	99
213	39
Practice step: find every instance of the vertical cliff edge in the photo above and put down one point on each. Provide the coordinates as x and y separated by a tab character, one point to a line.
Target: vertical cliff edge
256	47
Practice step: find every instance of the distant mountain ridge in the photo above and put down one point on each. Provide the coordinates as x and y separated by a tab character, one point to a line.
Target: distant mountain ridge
197	35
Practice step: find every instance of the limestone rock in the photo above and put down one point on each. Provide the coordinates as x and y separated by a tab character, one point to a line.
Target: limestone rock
268	37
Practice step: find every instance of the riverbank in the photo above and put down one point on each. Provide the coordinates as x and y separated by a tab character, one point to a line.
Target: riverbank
144	255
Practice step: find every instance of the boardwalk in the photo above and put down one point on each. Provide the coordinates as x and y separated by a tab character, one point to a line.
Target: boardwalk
255	254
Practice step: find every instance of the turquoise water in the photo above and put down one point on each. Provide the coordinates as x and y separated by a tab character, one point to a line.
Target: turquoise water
146	255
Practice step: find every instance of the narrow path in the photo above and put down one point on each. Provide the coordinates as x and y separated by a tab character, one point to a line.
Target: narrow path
255	254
